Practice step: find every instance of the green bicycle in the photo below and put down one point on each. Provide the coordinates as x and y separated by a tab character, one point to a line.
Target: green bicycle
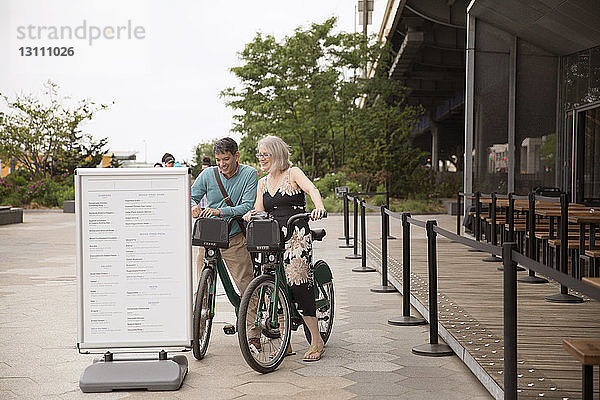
213	235
267	302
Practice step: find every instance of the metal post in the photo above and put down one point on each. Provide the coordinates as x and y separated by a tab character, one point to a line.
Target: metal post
355	255
346	224
564	296
510	323
384	288
406	319
433	348
478	216
587	382
387	205
458	212
363	242
493	258
531	248
476	223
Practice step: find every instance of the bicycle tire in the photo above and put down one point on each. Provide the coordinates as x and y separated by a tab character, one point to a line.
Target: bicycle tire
202	320
324	314
272	351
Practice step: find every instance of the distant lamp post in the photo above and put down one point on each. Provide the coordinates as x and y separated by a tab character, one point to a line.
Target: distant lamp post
365	21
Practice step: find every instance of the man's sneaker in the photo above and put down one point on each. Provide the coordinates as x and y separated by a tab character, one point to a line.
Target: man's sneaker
229	329
254	344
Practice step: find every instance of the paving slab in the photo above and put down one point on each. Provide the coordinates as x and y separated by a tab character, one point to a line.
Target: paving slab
365	357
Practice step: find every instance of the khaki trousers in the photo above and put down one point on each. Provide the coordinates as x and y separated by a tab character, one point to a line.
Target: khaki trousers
239	264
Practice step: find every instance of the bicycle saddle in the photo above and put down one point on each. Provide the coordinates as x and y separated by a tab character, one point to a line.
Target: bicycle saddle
318	234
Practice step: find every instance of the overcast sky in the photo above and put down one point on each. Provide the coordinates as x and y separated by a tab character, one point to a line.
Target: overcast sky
165	69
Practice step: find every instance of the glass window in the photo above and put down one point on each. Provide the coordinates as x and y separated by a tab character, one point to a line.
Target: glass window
589	173
535	118
490	141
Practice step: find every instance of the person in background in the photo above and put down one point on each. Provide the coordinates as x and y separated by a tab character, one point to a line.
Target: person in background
206	162
157	165
169	161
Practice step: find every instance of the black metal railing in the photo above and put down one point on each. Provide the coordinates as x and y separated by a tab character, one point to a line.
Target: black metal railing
510	258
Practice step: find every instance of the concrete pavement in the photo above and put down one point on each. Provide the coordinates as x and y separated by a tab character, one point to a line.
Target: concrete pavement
365	358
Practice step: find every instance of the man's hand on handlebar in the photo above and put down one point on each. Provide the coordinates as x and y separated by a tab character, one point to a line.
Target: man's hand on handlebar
210	212
204	212
196	210
318	213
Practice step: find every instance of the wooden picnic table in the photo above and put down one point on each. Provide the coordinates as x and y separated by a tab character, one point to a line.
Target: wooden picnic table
556	212
591	218
592	281
586	218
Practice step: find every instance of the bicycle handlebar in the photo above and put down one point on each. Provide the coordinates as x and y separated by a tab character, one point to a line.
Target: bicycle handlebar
264	215
295	218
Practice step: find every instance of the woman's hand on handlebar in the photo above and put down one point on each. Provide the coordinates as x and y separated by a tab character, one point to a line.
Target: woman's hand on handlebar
318	213
248	216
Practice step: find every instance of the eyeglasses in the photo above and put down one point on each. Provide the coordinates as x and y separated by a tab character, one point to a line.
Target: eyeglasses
262	155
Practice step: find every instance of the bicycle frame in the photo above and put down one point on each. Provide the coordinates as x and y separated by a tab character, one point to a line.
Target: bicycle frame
278	272
215	263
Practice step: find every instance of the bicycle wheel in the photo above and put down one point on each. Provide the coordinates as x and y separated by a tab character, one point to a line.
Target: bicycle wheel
202	317
325	300
257	309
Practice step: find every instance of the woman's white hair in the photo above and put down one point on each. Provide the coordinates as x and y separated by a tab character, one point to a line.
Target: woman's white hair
279	151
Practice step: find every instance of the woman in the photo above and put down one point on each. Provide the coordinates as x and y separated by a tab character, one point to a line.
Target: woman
281	194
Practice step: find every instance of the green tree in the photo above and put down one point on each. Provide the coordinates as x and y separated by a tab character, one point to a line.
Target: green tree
381	140
45	136
305	89
114	162
301	89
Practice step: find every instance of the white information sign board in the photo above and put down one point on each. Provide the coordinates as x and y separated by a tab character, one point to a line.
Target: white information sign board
134	260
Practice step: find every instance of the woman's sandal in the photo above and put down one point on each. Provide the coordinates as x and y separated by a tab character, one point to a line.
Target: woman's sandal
289	352
314	350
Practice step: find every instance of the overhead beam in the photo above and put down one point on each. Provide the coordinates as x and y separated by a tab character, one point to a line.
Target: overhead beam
408	50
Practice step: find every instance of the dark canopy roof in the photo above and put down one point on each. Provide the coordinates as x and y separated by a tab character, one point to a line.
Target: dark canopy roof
559	26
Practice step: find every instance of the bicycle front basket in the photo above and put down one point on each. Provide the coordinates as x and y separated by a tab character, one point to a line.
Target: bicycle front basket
211	232
263	235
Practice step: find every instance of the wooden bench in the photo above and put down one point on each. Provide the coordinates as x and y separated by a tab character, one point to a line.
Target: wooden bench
587	352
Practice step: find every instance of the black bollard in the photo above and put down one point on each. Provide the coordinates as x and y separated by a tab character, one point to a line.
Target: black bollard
477	222
355	255
363	242
510	323
433	348
406	319
493	258
346	237
530	278
387	205
458	212
564	296
384	288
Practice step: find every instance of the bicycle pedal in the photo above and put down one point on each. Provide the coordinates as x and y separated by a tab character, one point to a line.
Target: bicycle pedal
229	329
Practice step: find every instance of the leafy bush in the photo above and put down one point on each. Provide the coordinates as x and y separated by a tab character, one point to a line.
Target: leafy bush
329	182
16	191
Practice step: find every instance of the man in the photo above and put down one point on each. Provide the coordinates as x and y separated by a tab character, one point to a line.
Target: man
239	182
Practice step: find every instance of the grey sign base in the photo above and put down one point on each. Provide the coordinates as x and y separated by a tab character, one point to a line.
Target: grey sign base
105	376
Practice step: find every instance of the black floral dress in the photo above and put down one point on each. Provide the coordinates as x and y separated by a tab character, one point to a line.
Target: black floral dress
286	202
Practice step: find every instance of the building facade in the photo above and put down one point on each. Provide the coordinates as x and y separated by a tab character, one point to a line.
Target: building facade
533	89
